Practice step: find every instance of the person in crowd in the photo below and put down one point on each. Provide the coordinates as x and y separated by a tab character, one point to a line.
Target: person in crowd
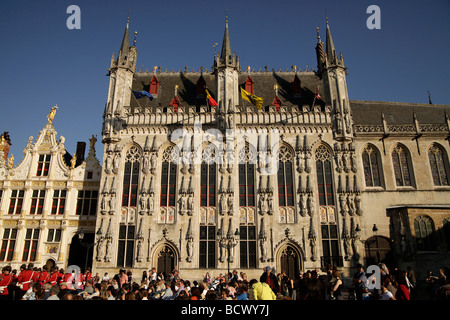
402	287
54	293
336	286
271	279
5	280
262	291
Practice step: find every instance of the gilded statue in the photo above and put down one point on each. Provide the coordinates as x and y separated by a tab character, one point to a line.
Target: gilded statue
52	113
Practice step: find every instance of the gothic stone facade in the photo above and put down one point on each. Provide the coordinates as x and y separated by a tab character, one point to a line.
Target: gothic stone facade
356	181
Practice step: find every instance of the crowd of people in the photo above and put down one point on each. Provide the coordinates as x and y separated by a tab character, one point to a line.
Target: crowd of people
32	283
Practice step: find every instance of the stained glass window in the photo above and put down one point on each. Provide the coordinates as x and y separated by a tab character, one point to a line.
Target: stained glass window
372	172
402	168
168	177
439	166
125	246
247	246
247	160
207	254
285	177
324	176
424	228
131	177
208	177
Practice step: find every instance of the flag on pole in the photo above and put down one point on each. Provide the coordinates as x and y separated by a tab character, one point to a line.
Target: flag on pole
211	101
256	101
142	94
317	96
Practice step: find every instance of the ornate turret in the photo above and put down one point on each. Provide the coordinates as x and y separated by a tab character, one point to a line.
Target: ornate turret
121	74
332	71
226	69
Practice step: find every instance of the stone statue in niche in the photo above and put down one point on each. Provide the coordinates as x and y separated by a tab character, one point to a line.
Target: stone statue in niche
230	204
99	249
151	205
112	204
262	205
222	205
108	164
116	163
108	250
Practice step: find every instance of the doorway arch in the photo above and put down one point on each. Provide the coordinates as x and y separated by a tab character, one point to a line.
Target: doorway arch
378	250
81	251
165	258
290	259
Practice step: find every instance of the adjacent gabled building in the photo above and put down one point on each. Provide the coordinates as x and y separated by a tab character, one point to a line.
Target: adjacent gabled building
46	201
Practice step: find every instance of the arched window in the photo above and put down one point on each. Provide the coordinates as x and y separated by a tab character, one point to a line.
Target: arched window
424	229
372	166
131	177
168	177
208	177
247	160
285	177
324	175
402	166
439	165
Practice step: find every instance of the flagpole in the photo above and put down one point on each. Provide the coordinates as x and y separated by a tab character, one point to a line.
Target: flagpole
315	96
136	99
312	107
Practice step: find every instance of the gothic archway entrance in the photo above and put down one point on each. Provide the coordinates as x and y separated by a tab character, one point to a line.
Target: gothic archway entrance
81	251
290	260
166	260
378	249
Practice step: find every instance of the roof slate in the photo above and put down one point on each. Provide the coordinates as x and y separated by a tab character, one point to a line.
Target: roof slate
263	87
369	112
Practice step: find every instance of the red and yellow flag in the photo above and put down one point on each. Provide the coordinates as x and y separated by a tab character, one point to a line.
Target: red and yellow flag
211	101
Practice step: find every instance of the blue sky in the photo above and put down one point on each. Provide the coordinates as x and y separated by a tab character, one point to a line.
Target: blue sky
44	63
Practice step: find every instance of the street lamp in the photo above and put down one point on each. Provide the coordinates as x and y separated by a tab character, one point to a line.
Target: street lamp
375	229
229	242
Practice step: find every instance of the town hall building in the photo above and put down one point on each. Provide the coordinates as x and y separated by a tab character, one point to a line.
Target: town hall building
198	176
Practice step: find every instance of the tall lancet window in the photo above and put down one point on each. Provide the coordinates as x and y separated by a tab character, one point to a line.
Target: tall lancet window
208	177
324	176
402	166
247	161
371	165
131	177
168	177
285	177
439	165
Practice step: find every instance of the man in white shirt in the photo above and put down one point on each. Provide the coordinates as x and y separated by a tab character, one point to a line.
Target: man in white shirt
386	294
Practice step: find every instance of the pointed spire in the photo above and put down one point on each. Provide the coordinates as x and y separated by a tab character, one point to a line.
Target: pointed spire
226	45
331	51
123	52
